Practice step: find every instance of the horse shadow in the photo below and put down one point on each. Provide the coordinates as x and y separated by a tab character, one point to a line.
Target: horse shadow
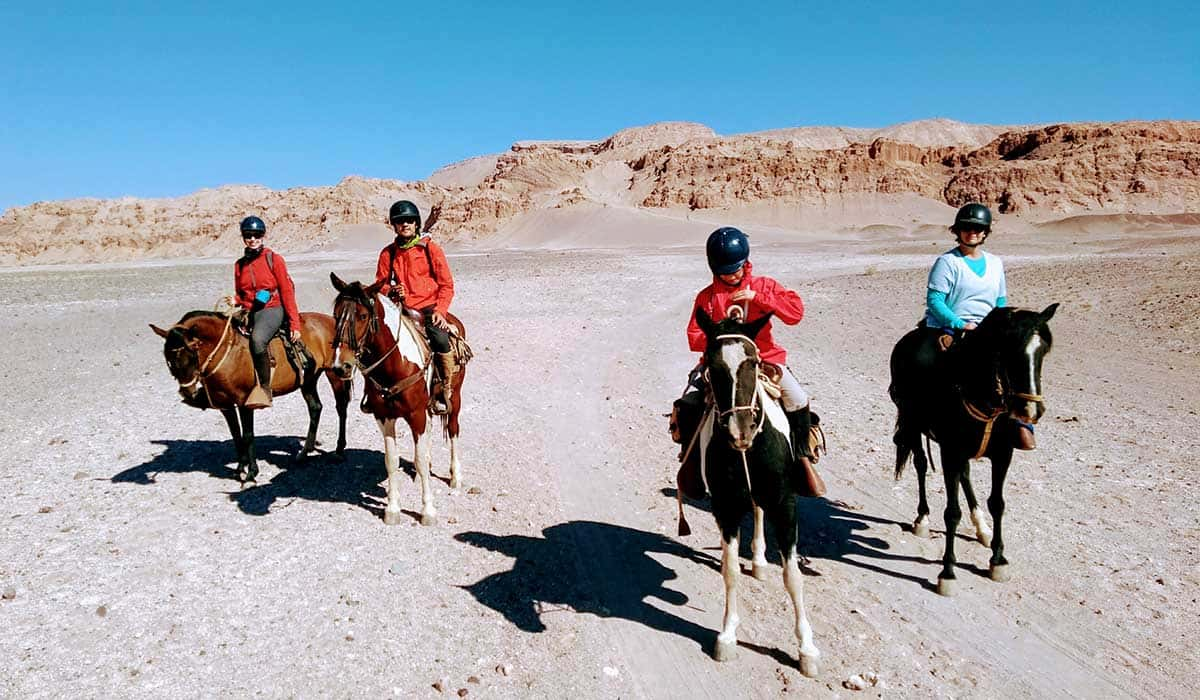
832	530
355	479
538	584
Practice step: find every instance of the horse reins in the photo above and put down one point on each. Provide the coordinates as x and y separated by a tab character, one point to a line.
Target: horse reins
204	371
988	418
357	346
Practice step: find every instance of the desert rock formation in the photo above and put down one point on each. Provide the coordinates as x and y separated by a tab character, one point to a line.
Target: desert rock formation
668	169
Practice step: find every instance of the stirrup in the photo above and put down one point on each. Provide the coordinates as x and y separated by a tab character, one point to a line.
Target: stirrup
258	398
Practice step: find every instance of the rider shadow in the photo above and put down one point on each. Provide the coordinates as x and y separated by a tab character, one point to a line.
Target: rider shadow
536	585
354	480
834	531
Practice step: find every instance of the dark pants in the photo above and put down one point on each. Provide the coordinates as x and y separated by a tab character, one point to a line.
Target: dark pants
439	340
264	324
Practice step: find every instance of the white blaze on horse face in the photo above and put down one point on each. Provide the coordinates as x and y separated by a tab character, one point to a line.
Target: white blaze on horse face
1034	386
733	355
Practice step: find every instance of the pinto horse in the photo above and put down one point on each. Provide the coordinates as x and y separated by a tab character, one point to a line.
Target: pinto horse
212	363
748	464
981	399
390	350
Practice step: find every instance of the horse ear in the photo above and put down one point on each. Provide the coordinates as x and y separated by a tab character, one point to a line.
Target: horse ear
704	321
1048	312
374	289
751	329
338	284
161	333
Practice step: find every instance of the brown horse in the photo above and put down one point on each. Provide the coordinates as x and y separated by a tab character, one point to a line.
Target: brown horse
390	350
212	363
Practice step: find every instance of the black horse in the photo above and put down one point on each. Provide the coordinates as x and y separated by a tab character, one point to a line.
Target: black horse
979	398
748	464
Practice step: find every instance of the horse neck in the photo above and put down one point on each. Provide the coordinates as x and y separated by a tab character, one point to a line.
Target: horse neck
382	342
975	370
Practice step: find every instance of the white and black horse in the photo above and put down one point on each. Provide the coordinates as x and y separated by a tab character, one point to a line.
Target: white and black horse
747	463
980	398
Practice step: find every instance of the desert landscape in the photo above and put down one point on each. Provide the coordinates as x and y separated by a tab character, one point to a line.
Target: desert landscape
134	563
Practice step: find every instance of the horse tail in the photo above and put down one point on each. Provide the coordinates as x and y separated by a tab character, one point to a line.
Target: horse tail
904	447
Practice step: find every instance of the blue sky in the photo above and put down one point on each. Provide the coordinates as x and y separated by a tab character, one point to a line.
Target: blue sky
153	99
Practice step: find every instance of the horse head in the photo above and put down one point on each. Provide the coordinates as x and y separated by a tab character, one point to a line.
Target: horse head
731	365
356	315
1017	341
182	352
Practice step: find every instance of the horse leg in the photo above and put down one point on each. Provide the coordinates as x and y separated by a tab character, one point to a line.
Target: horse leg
983	533
758	547
421	459
235	429
783	518
921	464
309	391
341	397
250	471
452	434
726	647
999	565
391	460
952	470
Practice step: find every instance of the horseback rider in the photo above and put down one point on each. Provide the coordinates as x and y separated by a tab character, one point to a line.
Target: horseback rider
414	271
965	284
265	290
734	284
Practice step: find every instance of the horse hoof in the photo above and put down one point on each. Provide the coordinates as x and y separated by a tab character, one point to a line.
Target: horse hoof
725	651
759	571
428	519
921	529
945	587
392	517
999	572
810	665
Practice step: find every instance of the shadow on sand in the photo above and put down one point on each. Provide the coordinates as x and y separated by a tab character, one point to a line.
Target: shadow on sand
357	480
615	575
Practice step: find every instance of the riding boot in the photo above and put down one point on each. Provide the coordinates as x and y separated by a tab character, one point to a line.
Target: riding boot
260	395
447	367
804	429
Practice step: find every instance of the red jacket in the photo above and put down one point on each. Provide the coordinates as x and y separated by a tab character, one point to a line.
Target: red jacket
769	296
250	278
423	271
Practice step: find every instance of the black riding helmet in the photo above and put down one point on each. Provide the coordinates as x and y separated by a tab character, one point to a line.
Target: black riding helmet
253	224
728	249
404	210
973	215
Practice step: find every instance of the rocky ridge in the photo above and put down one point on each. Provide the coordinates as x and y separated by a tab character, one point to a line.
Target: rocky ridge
1034	172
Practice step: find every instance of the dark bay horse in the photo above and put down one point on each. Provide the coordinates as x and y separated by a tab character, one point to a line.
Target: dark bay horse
373	335
980	398
212	363
748	464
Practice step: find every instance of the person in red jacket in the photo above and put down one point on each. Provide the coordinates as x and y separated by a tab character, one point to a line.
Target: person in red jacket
734	284
264	288
415	273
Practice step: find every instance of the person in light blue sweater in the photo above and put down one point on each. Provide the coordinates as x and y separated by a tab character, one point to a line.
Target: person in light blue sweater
965	283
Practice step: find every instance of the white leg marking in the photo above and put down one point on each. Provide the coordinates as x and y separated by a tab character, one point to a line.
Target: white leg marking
455	467
983	532
758	546
730	568
421	461
792	581
391	460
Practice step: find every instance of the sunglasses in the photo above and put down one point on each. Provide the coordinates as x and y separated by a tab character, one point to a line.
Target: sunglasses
253	234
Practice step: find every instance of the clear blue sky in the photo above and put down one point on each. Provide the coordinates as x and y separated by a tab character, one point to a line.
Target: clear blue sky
153	100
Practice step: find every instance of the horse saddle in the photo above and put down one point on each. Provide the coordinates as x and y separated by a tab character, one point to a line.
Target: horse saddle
297	354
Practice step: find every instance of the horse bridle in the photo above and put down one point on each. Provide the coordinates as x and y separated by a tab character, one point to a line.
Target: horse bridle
756	401
358	345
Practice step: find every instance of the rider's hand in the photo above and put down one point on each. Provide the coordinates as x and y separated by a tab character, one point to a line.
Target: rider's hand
397	292
742	295
295	336
439	321
970	326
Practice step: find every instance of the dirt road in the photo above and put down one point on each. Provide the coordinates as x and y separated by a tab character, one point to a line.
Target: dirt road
137	567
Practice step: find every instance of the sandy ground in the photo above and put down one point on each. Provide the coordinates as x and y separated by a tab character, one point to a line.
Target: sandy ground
133	565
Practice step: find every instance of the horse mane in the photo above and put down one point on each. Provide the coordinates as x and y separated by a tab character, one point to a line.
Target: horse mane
202	313
1002	324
